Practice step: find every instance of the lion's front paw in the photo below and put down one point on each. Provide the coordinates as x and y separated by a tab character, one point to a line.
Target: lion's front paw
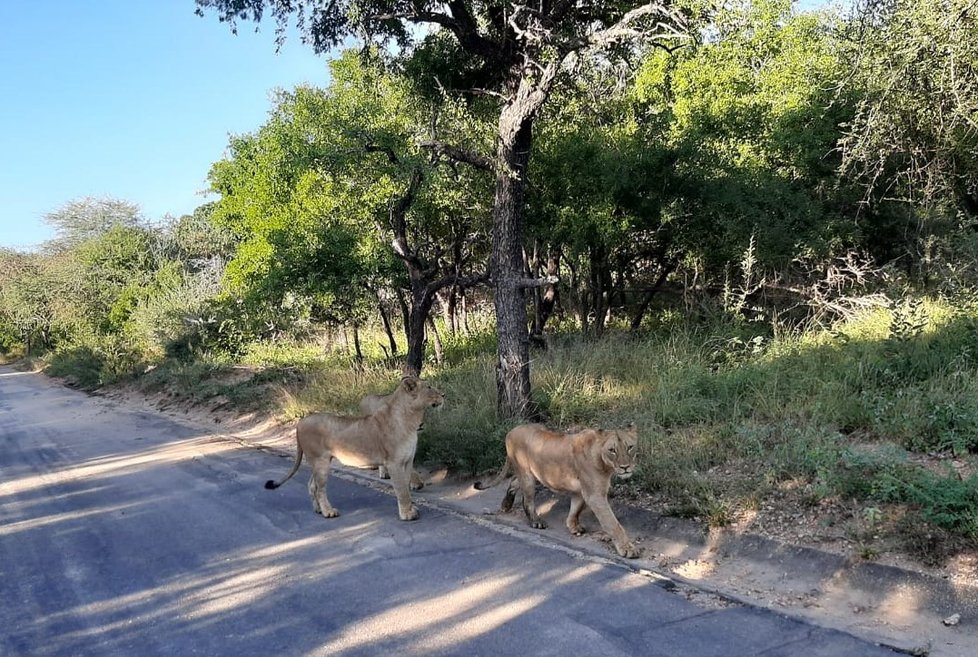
416	484
628	550
577	531
330	513
411	514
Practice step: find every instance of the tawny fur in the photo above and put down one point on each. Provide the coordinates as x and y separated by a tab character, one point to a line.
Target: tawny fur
371	404
580	463
387	437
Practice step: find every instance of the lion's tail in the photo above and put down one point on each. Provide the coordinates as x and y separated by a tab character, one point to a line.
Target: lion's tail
503	473
271	484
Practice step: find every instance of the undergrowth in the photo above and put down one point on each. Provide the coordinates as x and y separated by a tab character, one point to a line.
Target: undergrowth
882	409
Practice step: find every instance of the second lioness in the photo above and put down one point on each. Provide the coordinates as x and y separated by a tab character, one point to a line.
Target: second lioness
387	437
580	463
371	404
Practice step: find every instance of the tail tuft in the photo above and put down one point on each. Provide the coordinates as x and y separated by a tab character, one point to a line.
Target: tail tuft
271	485
479	486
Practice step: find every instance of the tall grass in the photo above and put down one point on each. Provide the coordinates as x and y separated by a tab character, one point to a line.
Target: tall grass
728	415
728	412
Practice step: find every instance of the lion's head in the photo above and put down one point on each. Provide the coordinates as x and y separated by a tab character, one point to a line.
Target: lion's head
421	393
618	450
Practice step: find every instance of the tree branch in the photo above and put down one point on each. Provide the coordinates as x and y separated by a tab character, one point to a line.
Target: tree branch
668	26
454	279
460	22
386	150
398	218
459	154
537	282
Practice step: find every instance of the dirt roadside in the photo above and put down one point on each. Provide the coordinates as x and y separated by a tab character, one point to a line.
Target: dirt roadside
889	600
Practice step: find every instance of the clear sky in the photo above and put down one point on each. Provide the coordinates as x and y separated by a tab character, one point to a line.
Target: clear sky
129	99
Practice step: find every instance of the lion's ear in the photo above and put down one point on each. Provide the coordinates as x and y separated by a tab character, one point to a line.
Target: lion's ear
410	382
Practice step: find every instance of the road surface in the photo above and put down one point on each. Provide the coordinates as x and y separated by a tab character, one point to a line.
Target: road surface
124	532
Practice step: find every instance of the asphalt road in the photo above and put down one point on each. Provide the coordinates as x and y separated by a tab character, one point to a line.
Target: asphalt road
126	533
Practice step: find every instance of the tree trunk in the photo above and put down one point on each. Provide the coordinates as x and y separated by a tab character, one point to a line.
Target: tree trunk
416	334
513	349
465	312
545	298
436	338
667	268
598	280
405	313
385	318
578	297
447	299
357	351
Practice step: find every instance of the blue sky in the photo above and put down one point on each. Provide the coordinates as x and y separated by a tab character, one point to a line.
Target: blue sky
130	99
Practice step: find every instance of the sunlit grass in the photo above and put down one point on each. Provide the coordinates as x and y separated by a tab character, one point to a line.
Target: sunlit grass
727	411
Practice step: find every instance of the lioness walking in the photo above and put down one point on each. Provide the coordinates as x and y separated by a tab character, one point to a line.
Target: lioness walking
387	437
580	463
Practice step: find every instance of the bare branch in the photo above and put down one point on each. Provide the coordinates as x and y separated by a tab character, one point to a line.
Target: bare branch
537	282
398	220
460	22
669	25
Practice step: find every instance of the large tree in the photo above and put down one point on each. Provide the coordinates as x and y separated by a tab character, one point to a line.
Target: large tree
512	51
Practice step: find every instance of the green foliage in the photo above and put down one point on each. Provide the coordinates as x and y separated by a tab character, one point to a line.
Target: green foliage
197	239
750	120
305	194
99	361
914	137
334	190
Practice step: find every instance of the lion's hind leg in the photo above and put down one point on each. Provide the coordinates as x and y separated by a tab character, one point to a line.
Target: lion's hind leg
313	490
528	486
317	487
510	497
577	505
416	482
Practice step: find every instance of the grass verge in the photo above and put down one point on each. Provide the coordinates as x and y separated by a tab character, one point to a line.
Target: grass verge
877	416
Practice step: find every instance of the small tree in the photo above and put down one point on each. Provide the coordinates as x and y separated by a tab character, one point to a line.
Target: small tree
86	218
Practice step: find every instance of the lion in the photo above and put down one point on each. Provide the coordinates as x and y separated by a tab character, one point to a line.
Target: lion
580	463
371	404
387	437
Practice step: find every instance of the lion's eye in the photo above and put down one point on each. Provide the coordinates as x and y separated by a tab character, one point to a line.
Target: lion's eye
613	450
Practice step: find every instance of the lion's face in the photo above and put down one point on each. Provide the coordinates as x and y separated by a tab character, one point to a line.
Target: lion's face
619	450
423	392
